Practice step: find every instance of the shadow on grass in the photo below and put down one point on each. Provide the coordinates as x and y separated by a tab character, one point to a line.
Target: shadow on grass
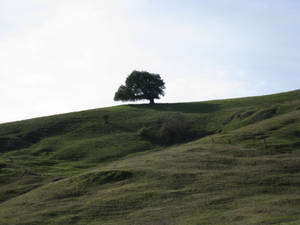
180	107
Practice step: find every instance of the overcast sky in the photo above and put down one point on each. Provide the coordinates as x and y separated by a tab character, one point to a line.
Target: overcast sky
60	56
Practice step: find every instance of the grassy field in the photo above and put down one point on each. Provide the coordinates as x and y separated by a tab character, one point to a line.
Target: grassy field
234	161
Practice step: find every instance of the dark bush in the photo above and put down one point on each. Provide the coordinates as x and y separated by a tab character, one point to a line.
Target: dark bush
175	129
169	129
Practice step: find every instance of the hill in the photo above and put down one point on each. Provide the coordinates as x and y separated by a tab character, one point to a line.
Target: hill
232	161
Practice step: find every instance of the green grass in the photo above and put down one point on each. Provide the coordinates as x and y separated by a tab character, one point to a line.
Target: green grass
77	168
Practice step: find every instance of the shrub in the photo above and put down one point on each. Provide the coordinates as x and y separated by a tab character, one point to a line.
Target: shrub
169	129
175	128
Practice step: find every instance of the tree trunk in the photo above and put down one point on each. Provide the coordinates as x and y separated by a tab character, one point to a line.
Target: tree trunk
152	101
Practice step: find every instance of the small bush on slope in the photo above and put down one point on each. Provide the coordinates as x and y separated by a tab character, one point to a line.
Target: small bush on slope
169	129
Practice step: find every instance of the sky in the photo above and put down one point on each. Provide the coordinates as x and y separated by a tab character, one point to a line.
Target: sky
59	56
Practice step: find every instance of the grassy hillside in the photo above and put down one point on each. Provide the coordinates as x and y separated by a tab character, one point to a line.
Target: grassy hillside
240	164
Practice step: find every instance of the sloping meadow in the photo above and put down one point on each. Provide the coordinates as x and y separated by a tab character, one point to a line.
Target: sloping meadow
230	161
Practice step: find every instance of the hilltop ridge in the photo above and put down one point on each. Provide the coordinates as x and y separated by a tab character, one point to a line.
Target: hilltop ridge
238	165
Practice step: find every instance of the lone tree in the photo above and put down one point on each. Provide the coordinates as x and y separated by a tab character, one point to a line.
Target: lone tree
141	85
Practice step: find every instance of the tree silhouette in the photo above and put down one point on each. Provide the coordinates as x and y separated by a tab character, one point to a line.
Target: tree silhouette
141	85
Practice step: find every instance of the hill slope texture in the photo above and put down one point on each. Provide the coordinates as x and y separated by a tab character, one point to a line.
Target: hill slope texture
234	161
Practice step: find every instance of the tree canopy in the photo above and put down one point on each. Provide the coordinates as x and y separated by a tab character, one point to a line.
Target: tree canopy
141	85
